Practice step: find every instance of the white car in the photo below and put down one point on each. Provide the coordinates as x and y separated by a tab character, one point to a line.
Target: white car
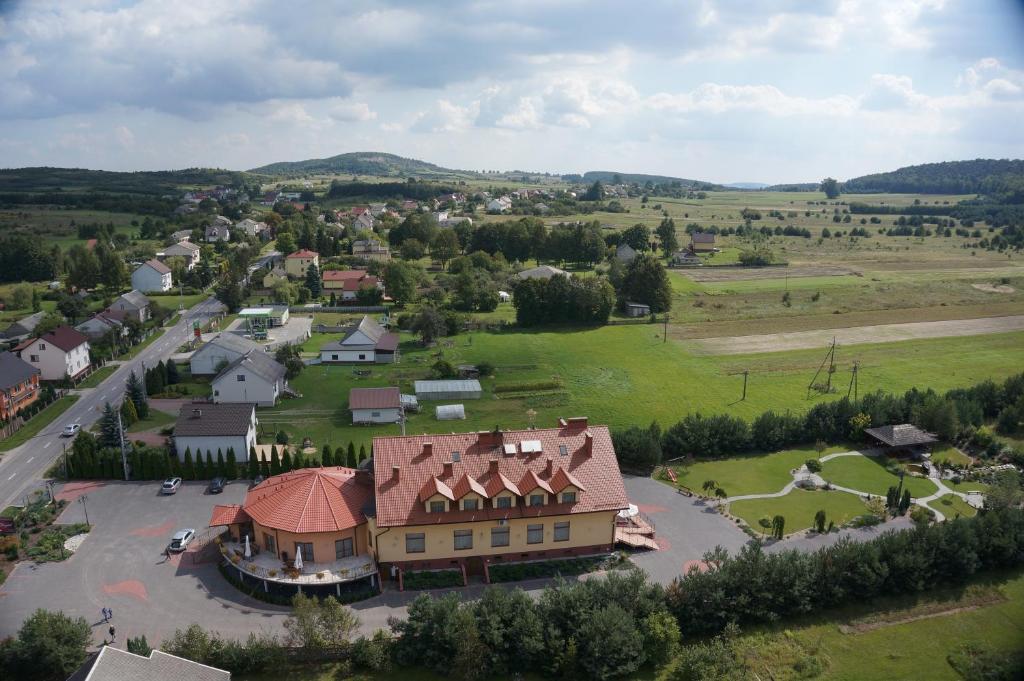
170	486
71	430
180	540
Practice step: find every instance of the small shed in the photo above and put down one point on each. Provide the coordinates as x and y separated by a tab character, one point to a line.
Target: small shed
375	405
637	310
450	412
504	296
410	403
468	389
468	371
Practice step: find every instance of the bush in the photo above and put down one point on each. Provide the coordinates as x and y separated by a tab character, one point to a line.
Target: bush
638	448
485	368
514	572
432	579
813	465
373	654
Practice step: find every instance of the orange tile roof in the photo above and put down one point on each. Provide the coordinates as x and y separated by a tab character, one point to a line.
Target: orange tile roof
562	479
531	482
310	500
304	253
465	485
342	275
434	486
399	500
228	515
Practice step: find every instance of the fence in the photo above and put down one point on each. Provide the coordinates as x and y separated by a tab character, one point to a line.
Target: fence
18	422
337	308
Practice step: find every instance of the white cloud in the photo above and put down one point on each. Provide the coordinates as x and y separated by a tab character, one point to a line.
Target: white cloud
125	137
352	111
445	116
764	99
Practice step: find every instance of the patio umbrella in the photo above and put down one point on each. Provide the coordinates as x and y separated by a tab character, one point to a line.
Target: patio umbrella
298	557
248	550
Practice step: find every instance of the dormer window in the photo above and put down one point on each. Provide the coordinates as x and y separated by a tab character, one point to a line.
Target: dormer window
470	504
536	500
503	502
437	507
568	497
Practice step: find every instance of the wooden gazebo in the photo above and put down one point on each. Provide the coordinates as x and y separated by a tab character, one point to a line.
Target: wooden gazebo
904	436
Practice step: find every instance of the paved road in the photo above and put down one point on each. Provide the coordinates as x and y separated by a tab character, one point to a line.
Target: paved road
22	468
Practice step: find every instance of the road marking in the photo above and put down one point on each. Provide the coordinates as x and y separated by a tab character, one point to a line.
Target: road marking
30	459
12	476
46	445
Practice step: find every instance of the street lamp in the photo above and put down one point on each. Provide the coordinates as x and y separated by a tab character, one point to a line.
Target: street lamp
85	509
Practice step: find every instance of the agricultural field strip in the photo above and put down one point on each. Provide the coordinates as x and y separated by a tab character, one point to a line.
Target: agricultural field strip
879	333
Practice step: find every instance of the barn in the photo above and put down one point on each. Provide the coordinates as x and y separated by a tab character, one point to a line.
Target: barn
375	405
468	389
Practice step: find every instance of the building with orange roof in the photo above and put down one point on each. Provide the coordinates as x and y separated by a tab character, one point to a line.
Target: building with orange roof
296	264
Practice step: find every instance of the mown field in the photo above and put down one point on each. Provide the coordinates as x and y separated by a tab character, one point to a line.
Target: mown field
625	375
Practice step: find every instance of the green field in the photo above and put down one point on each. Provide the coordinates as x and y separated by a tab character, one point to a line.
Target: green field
38	422
951	506
799	507
754	474
626	375
948	454
868	474
156	419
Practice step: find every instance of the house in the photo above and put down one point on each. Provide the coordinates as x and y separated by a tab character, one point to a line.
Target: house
375	405
19	385
217	232
686	258
370	249
351	287
102	324
269	199
183	249
499	205
132	305
152	276
221	350
114	664
296	264
253	377
181	235
455	220
364	221
625	254
334	280
278	315
702	242
251	228
58	354
448	389
476	499
205	427
364	343
377	209
542	272
637	309
440	216
273	276
24	327
409	206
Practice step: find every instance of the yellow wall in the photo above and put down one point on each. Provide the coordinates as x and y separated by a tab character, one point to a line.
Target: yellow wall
323	542
296	267
585	529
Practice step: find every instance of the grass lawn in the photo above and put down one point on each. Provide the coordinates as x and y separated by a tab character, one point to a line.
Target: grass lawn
98	376
136	349
755	474
171	302
155	419
966	486
626	375
798	508
868	474
950	505
38	422
948	454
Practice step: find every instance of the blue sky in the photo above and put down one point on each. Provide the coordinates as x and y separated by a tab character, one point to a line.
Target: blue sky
724	91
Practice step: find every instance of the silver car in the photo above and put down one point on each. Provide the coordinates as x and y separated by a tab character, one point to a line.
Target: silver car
170	486
180	540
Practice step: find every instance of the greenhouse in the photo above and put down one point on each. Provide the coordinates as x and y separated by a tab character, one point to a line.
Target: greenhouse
450	412
449	390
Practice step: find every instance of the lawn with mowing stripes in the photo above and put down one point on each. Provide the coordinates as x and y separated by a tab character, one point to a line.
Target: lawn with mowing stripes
799	507
868	474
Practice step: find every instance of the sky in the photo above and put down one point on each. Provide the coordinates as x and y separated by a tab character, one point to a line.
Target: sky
723	91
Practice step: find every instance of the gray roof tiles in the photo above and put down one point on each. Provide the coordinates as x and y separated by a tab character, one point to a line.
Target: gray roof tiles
213	420
258	362
114	664
14	370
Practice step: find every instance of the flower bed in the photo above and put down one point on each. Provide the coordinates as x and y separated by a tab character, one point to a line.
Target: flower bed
432	579
514	572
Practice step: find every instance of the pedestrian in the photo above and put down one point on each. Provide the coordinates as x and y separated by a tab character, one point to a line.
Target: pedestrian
110	613
106	617
112	633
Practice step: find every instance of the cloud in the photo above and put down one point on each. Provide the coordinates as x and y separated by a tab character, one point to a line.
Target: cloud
352	111
717	98
445	116
125	137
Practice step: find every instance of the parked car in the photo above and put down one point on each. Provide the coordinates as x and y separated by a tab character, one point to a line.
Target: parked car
71	430
217	485
170	486
180	540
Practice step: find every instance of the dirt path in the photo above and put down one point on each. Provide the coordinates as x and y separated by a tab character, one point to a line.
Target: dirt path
881	333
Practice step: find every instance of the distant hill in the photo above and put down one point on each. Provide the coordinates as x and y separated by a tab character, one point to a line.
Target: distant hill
992	177
606	176
794	187
52	180
746	185
363	163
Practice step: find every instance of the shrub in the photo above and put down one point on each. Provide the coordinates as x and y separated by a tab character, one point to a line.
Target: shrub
813	465
485	368
514	572
432	579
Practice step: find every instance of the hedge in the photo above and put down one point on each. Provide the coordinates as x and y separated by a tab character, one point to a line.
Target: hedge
514	572
431	579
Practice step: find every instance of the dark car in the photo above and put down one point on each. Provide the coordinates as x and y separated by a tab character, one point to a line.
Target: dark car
217	485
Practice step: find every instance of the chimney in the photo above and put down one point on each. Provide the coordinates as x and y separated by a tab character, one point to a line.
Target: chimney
588	444
196	413
548	466
395	473
493	467
448	472
490	438
578	422
428	448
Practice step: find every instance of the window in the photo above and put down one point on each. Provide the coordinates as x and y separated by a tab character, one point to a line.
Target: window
437	507
343	548
456	457
240	378
503	502
568	497
362	357
307	551
463	539
470	504
536	500
562	531
269	544
33	358
499	536
216	393
534	534
563	450
42	346
375	414
415	542
334	357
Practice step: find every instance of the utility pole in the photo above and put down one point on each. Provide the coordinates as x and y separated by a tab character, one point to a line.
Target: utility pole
124	458
84	508
745	372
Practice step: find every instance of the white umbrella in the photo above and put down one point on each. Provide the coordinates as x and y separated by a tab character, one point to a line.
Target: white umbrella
298	557
248	550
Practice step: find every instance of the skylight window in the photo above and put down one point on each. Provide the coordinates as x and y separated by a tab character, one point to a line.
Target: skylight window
563	450
456	456
531	446
510	450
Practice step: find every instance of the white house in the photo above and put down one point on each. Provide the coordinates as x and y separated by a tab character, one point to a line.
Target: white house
132	305
375	405
440	216
152	275
219	229
364	221
101	324
222	349
184	249
205	427
499	205
58	354
253	377
376	209
364	343
250	227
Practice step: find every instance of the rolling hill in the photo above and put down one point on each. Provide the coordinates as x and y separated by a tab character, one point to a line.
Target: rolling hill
363	163
606	176
994	177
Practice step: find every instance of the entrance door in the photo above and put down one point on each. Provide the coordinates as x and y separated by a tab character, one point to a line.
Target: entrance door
475	565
